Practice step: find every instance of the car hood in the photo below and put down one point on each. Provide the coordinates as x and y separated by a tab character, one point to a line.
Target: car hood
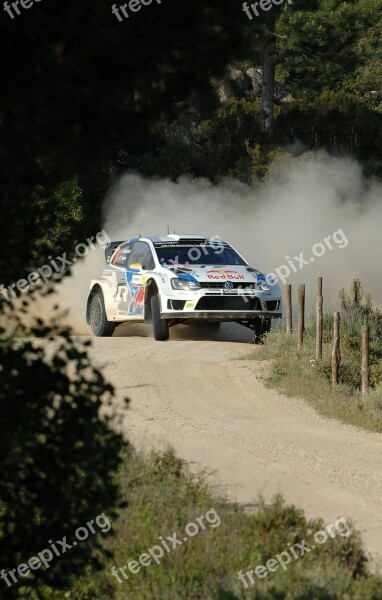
211	273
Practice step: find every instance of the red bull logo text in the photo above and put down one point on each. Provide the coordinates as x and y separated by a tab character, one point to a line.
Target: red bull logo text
223	274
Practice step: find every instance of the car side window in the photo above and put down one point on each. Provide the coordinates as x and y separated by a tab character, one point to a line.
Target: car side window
122	255
141	253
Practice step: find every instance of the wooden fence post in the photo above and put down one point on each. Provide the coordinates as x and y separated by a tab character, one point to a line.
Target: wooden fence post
365	360
288	307
319	319
354	294
336	353
301	315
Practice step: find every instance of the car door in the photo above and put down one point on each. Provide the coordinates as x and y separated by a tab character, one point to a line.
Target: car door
121	293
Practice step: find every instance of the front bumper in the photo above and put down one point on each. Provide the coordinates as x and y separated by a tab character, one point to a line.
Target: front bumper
221	305
221	315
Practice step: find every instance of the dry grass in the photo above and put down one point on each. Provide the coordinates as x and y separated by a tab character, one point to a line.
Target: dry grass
296	373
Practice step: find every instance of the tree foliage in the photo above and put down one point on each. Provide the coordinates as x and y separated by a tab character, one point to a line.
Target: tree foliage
320	43
78	86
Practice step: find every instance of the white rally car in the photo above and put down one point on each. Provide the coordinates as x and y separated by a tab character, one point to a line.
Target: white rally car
179	278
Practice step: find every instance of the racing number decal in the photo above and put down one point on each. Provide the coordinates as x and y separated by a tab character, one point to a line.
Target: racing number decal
123	299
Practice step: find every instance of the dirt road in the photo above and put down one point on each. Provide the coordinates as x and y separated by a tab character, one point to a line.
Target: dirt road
207	400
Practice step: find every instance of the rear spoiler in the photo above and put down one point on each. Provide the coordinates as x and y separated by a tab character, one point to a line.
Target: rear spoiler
109	250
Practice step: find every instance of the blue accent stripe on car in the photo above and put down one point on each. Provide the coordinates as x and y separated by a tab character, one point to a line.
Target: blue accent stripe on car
187	277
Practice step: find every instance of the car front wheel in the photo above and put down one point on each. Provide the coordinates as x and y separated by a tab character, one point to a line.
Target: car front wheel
101	327
261	327
160	326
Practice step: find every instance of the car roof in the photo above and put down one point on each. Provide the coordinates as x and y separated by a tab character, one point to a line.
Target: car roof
172	238
176	237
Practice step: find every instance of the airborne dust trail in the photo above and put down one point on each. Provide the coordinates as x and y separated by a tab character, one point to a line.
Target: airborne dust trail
302	202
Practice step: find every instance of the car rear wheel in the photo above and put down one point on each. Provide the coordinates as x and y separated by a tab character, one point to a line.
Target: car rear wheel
101	327
160	326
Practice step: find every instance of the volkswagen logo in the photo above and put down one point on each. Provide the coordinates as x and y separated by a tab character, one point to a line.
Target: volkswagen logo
228	285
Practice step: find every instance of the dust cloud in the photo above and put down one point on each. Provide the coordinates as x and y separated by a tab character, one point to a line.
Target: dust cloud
303	202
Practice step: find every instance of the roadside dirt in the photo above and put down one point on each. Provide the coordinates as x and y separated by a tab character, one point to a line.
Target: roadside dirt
207	400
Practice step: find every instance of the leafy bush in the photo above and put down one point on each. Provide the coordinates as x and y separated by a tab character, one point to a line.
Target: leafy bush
58	452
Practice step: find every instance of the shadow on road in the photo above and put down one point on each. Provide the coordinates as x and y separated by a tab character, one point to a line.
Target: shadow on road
229	332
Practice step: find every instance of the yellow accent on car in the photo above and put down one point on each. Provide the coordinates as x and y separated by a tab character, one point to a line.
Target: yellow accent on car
190	304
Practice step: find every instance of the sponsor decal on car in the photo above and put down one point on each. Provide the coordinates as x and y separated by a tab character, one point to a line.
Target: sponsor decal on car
136	283
220	274
138	300
137	280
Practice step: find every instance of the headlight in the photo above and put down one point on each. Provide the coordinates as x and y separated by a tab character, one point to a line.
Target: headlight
184	284
262	285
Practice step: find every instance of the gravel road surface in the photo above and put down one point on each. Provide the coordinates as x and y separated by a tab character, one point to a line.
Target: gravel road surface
206	399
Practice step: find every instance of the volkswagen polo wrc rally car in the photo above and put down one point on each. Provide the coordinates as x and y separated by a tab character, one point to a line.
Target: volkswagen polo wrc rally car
175	279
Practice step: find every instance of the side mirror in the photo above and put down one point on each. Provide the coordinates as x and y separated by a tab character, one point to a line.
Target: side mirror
136	266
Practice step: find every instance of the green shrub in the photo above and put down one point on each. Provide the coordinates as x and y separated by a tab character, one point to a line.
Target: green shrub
59	453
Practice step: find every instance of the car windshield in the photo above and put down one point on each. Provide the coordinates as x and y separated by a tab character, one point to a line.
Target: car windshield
199	254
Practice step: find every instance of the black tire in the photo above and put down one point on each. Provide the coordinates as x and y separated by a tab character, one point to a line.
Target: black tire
261	327
160	326
101	327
